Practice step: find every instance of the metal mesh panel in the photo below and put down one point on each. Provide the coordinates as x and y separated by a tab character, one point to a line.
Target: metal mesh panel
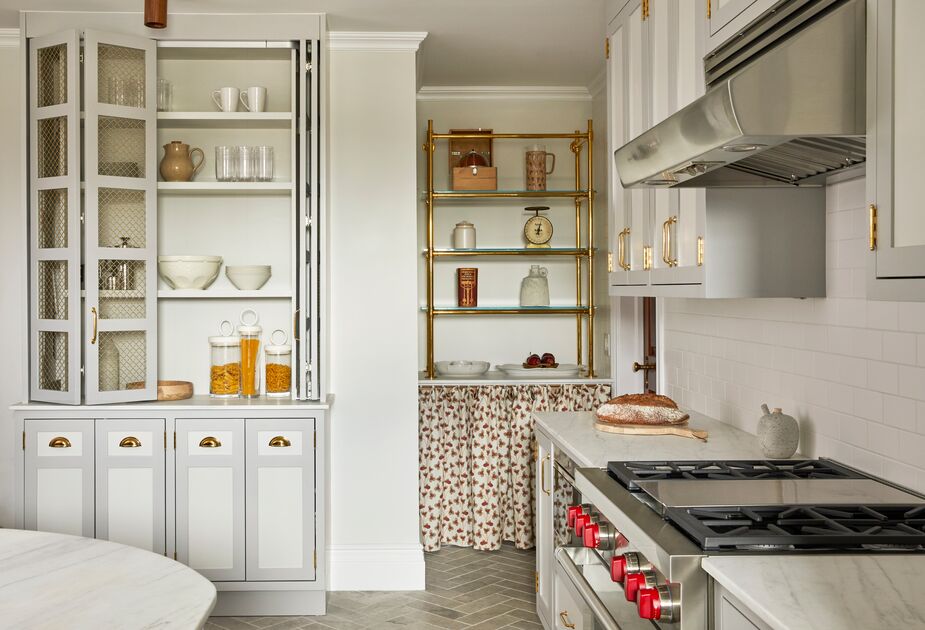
52	75
52	360
121	75
52	211
121	147
123	359
52	282
121	215
122	289
52	147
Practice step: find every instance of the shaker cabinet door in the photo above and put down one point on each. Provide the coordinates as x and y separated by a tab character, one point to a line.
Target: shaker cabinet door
210	497
280	484
58	476
120	227
54	218
130	501
545	541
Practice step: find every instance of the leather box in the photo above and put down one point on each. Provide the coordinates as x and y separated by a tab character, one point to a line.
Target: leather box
475	178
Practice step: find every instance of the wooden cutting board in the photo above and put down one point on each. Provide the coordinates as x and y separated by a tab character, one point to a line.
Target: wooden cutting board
645	429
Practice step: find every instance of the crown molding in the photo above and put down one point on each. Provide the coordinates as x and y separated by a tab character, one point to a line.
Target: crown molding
9	38
503	93
375	41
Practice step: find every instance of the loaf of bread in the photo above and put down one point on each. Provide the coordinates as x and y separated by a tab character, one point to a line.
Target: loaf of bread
641	409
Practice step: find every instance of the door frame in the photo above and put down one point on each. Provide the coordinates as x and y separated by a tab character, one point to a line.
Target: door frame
627	337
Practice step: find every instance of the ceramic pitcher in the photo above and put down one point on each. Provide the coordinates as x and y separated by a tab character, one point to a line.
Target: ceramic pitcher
177	164
534	288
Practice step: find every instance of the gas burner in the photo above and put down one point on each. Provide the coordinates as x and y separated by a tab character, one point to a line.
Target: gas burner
804	527
628	473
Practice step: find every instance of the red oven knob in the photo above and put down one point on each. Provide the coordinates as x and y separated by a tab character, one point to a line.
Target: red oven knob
580	521
618	568
573	511
649	604
592	535
631	585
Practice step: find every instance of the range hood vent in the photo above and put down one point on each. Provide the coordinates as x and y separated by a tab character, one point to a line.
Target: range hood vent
786	107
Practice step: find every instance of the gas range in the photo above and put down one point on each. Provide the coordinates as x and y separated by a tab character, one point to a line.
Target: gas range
650	523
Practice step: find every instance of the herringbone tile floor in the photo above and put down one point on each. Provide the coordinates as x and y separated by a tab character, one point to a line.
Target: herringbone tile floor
466	590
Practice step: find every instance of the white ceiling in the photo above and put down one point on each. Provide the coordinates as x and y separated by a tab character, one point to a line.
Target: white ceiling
470	42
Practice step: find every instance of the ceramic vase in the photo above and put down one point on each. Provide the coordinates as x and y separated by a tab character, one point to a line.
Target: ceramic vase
534	288
778	433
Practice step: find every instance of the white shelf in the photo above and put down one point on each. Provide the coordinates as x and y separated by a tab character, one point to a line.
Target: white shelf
224	294
220	120
227	188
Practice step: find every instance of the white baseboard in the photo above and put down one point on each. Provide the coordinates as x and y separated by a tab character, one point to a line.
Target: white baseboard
376	567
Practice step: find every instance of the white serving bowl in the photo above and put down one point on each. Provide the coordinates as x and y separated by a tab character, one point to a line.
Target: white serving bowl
248	277
189	272
462	368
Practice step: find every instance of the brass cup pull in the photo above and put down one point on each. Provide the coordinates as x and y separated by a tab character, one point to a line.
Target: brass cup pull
209	442
130	442
280	442
563	616
59	442
96	321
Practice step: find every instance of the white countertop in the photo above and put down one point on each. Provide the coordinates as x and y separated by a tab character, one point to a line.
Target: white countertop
56	581
197	402
574	432
824	591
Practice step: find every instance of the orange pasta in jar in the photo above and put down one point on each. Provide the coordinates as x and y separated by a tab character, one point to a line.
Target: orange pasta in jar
250	353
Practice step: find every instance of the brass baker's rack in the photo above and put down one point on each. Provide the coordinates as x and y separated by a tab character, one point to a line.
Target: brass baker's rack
583	312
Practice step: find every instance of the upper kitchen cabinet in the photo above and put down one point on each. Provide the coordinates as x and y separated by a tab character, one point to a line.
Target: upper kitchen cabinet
728	18
896	91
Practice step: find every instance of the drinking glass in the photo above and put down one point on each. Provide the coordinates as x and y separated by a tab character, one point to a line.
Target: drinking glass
164	95
245	163
263	158
225	163
117	91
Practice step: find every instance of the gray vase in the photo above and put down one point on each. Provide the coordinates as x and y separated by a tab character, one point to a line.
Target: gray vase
534	289
778	433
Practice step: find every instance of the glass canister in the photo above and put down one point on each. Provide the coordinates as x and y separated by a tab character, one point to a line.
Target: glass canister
278	365
249	335
225	371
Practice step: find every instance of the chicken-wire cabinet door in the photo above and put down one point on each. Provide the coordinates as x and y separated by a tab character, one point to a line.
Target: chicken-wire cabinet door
54	218
120	219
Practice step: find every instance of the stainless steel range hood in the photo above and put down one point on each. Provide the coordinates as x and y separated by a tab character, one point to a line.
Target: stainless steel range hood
785	106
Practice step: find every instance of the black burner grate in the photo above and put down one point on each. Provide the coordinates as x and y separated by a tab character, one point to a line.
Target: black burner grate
628	473
844	528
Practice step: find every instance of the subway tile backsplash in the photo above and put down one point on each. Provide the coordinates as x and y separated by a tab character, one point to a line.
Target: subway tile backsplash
851	370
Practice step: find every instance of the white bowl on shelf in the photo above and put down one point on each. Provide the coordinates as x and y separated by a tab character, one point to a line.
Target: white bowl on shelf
248	277
189	272
462	368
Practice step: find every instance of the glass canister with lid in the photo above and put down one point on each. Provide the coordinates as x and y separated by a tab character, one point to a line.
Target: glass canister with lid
249	332
225	370
278	365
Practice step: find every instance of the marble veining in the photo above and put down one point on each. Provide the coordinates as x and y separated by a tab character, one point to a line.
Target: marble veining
575	434
57	581
826	591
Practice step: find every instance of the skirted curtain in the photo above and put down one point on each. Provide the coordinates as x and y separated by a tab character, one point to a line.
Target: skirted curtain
476	459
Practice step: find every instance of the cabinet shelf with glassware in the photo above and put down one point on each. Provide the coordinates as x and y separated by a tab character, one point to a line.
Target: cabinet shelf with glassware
570	251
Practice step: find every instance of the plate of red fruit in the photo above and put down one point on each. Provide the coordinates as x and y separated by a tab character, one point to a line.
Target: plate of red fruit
541	366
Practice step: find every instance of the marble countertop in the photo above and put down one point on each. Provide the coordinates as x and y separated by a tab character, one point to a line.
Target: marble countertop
57	581
825	591
575	434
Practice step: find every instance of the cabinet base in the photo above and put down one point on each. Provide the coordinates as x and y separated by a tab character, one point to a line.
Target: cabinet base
269	603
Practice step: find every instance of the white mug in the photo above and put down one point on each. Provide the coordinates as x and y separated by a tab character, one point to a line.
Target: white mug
254	99
226	98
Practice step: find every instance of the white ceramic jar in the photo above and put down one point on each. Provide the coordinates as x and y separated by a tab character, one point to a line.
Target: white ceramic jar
464	235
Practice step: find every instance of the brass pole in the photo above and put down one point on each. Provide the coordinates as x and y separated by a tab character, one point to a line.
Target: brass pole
469	136
590	249
429	149
576	149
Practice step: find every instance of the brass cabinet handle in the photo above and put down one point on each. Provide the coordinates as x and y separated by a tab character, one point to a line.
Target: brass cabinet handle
642	366
666	241
700	251
209	442
872	227
621	249
130	442
95	323
59	442
280	442
543	475
563	615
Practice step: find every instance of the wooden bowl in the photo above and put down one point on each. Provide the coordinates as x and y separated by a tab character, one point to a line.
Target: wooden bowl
168	390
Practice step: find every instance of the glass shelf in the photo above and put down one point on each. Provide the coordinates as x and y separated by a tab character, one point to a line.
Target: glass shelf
555	309
512	251
483	194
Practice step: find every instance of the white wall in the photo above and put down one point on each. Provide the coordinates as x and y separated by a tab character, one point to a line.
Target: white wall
499	223
851	370
13	345
373	533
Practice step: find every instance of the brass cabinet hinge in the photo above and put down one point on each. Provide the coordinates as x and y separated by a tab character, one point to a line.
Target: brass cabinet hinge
165	440
645	10
709	9
872	227
23	440
609	262
700	251
174	440
647	257
315	559
536	581
606	48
